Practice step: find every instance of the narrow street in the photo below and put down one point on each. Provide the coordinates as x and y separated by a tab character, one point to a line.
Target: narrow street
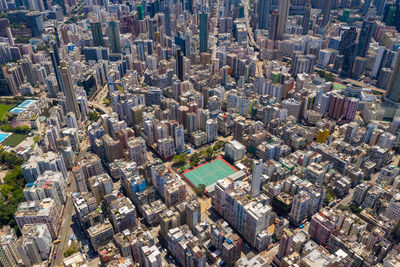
66	218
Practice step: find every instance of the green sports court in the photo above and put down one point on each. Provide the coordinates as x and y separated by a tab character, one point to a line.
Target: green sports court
209	173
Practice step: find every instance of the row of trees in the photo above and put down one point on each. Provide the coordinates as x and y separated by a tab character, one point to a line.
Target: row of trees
19	129
206	154
12	189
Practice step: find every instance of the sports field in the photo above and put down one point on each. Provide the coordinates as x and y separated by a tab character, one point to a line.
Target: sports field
4	109
14	139
210	172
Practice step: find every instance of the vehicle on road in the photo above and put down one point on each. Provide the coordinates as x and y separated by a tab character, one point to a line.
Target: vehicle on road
58	241
301	226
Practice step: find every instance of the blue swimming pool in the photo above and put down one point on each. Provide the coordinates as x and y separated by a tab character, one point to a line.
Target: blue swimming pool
3	136
16	110
23	106
27	103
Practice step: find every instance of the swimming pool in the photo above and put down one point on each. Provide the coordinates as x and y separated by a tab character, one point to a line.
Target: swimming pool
3	136
23	106
27	103
16	110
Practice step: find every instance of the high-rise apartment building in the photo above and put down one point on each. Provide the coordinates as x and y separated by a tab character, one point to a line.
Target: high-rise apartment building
393	90
367	30
114	36
8	250
300	205
69	90
97	33
283	13
137	150
285	243
39	211
203	28
256	178
263	10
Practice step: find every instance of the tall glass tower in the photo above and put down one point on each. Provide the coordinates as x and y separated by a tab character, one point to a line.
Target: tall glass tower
97	33
203	28
114	36
393	91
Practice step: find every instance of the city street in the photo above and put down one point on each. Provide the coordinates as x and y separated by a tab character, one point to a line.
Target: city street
66	218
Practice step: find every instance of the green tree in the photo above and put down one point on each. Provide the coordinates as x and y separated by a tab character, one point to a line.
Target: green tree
94	116
221	144
200	189
106	101
330	195
36	139
179	159
70	251
209	153
22	129
329	77
22	40
194	159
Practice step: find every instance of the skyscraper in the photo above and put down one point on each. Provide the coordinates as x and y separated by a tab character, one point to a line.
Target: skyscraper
189	6
348	48
273	30
283	11
326	12
114	36
397	17
256	178
299	207
179	64
393	91
203	28
364	40
69	90
263	13
348	38
167	13
139	9
306	19
97	33
365	7
55	60
286	243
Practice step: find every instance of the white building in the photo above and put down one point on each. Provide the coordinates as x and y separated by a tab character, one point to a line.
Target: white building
299	207
152	256
137	150
256	178
393	209
41	235
166	147
211	130
179	138
234	150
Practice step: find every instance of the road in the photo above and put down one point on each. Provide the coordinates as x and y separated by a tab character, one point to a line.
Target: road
215	33
249	29
100	107
65	229
96	100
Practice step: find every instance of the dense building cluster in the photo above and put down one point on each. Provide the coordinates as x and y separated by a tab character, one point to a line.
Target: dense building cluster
200	133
